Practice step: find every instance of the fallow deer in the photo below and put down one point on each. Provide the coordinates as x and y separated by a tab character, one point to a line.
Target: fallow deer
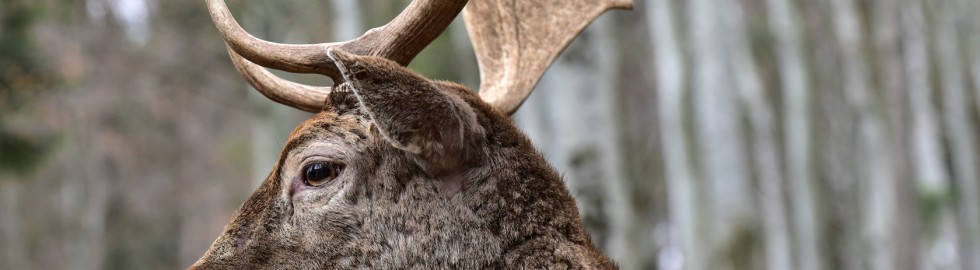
398	171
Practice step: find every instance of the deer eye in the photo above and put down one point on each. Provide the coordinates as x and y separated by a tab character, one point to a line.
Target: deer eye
319	173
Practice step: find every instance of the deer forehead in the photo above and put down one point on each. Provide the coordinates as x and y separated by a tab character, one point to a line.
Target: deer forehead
343	129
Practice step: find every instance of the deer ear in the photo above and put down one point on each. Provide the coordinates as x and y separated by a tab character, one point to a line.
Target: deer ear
411	112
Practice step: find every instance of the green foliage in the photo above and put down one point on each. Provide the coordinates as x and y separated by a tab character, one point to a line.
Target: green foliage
21	76
20	71
931	205
19	153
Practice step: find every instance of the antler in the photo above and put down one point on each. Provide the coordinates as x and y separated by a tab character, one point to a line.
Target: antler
400	41
515	42
300	96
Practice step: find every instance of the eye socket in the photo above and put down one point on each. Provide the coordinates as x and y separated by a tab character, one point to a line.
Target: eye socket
319	173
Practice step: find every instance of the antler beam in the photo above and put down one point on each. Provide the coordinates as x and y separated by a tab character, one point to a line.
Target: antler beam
400	40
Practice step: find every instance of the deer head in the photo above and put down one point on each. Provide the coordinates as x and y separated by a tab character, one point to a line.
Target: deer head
399	171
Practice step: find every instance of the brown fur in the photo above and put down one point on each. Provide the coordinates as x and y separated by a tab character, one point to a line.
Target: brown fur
435	178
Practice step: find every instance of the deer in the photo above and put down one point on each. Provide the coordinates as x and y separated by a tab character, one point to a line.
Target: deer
395	170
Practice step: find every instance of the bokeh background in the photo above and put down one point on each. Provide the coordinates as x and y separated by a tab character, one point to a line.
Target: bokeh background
695	134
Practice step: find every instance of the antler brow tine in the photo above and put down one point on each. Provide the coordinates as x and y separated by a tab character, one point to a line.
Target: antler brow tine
300	96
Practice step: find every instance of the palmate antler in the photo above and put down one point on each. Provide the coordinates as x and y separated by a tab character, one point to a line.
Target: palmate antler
515	42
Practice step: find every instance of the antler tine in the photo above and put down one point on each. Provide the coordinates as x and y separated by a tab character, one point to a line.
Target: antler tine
515	42
301	58
300	96
400	40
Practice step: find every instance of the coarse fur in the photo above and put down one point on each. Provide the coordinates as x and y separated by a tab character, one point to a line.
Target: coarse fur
434	178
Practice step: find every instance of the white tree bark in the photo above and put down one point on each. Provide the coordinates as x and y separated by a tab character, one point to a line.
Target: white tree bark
11	233
684	207
347	21
961	130
880	205
931	176
767	160
797	129
904	229
967	10
930	172
625	239
720	150
972	33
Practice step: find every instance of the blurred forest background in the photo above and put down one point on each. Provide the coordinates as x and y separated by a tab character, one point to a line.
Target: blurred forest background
696	134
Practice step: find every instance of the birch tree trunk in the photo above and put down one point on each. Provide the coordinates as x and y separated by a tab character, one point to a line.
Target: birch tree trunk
797	129
767	159
683	251
720	151
932	178
879	212
903	226
962	131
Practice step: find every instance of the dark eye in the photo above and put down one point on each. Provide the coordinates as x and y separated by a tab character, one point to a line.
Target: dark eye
317	174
